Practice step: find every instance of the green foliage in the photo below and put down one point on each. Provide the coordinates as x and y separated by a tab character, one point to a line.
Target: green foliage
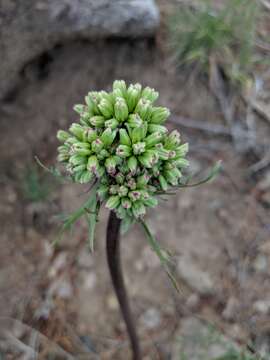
35	187
237	355
226	35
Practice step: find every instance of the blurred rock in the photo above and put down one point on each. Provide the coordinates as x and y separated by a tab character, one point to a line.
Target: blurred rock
58	264
151	318
90	280
260	263
195	277
231	309
29	28
196	341
193	301
262	306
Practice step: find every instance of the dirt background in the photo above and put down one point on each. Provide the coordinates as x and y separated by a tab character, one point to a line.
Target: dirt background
219	233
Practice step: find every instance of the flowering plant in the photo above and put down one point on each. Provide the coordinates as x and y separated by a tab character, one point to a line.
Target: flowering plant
121	147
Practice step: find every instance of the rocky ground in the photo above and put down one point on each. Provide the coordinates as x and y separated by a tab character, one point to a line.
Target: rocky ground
59	300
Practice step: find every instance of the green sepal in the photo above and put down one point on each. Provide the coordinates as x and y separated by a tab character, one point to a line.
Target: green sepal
159	115
62	135
123	151
111	123
124	137
132	164
97	121
150	94
112	202
120	109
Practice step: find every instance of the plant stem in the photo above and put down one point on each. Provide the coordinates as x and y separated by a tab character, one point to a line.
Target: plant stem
114	263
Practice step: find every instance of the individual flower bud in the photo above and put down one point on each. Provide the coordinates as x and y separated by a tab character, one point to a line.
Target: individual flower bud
126	203
123	151
106	108
134	120
142	180
103	154
120	109
169	165
137	134
163	183
172	140
170	177
120	85
149	94
144	194
79	108
182	150
138	209
138	148
77	130
153	139
77	176
97	121
159	115
150	202
124	137
79	168
110	165
64	149
102	192
93	164
163	154
149	158
114	189
112	202
177	173
84	119
85	177
77	159
123	190
92	100
100	171
62	135
123	168
111	123
119	178
155	127
131	184
82	151
71	140
155	170
62	157
132	164
143	108
97	146
134	195
133	96
108	137
181	162
90	135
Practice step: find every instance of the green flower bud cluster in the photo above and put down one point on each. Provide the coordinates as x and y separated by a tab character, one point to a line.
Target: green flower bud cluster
120	141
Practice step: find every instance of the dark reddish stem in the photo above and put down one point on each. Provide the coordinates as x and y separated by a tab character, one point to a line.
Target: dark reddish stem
114	263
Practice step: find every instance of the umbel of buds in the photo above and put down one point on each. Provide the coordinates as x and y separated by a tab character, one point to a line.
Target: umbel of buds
121	144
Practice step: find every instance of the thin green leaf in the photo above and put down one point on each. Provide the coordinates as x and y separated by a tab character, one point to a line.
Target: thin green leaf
210	177
70	220
52	170
91	217
160	253
126	224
